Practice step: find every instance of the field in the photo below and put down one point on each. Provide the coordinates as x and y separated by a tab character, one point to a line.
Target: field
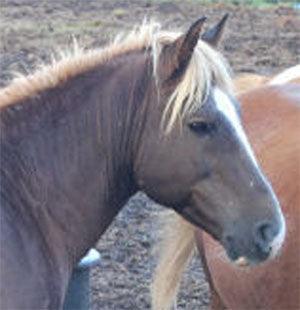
261	39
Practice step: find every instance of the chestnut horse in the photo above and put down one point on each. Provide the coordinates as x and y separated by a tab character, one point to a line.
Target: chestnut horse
272	119
248	81
273	116
152	112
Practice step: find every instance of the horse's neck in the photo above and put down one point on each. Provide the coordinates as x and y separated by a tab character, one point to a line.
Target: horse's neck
75	169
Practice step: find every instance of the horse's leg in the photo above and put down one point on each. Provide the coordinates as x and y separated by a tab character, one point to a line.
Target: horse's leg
216	302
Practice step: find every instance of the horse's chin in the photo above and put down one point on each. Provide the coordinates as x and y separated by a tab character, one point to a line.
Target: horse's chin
242	262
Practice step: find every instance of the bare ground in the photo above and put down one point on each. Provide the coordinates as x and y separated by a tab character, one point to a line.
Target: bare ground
257	40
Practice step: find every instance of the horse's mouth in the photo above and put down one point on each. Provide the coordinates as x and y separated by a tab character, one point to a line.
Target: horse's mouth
250	257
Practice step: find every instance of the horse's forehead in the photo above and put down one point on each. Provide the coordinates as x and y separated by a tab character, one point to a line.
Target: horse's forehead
226	107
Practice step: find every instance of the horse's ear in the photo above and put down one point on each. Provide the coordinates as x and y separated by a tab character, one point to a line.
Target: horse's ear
177	55
213	35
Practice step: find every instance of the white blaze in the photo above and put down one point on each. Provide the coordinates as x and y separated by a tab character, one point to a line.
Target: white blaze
226	107
276	244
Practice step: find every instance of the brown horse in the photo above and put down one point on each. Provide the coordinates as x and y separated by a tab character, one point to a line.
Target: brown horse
272	120
152	112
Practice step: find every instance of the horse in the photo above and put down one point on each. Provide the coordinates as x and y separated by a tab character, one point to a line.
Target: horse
271	115
247	81
275	285
153	111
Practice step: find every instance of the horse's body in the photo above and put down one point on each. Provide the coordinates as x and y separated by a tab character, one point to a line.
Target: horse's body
154	112
272	120
248	81
63	180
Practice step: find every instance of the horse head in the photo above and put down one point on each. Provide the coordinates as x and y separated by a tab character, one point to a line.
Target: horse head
194	155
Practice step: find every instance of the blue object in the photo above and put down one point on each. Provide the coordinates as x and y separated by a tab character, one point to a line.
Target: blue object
78	294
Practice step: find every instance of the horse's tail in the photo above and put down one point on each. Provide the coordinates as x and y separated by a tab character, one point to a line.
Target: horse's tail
175	250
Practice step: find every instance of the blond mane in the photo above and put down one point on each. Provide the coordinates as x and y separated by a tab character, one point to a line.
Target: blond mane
206	66
289	75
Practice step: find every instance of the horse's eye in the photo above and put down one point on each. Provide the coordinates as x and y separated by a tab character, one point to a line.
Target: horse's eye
201	127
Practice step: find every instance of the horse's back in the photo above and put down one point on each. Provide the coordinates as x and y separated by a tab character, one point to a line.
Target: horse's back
272	119
248	81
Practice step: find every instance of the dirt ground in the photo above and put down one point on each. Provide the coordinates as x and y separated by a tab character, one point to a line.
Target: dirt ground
257	40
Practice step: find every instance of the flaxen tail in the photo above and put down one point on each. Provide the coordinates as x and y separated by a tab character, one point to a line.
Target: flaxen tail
175	250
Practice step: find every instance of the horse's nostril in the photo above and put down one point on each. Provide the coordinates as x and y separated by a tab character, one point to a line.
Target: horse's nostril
264	234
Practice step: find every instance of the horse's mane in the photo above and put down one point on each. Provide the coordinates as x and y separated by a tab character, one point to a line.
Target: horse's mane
291	74
206	66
